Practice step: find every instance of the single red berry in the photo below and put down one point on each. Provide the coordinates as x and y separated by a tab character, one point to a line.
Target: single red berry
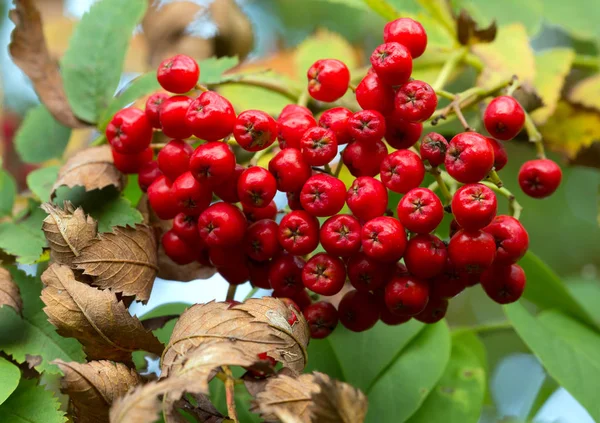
227	190
367	126
472	251
504	283
539	178
299	232
232	255
235	275
433	148
364	159
186	228
222	224
367	198
420	210
407	32
319	146
259	273
254	214
511	239
383	239
336	119
178	250
174	158
132	163
366	273
328	80
406	295
392	63
290	170
322	319
372	94
178	74
415	101
255	130
191	196
161	198
401	134
500	156
256	187
148	173
390	318
425	256
153	106
290	109
293	200
323	195
129	131
504	118
302	299
469	158
210	116
261	242
340	235
285	275
358	311
324	274
292	127
402	171
172	117
474	206
450	282
212	163
434	311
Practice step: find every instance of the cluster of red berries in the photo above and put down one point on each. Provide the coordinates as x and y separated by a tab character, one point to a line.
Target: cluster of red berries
224	215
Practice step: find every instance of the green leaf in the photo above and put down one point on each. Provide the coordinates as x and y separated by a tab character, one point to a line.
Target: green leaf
8	192
322	358
383	8
484	12
40	182
91	66
567	349
212	69
578	17
409	379
132	191
323	45
10	378
588	295
32	334
245	97
31	403
40	137
25	239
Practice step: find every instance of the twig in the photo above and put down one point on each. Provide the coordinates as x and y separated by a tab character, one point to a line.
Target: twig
303	99
445	94
230	394
338	168
231	292
453	61
534	136
459	114
437	174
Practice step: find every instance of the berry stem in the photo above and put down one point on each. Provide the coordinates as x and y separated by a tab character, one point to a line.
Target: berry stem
303	99
259	154
445	94
437	174
338	169
453	61
459	114
231	292
268	84
202	88
495	178
587	62
514	208
534	136
487	327
251	293
230	393
99	141
352	87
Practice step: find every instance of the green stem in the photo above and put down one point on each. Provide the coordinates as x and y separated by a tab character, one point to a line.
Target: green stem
303	99
455	59
445	94
495	178
514	207
485	327
534	136
338	169
99	141
587	62
251	293
269	84
437	174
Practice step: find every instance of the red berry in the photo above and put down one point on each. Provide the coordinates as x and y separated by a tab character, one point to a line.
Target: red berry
227	190
293	200
177	249
290	170
191	196
178	74
434	311
469	158
255	130
212	163
504	283
364	159
229	256
322	318
291	109
504	118
323	195
186	228
172	117
383	239
129	131
132	163
153	106
372	94
366	273
402	171
425	256
358	311
390	318
420	211
299	232
406	295
450	283
319	146
161	198
392	63
285	275
324	274
407	32
367	198
500	156
222	225
474	206
415	101
254	214
539	178
210	116
261	242
235	275
256	187
336	119
328	80
340	235
511	239
402	134
174	158
367	126
259	273
292	127
472	251
148	173
433	148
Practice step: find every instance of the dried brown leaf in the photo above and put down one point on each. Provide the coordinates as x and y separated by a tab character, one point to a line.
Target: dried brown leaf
94	386
139	406
468	32
94	317
68	231
337	402
92	168
123	260
158	322
29	51
9	291
204	410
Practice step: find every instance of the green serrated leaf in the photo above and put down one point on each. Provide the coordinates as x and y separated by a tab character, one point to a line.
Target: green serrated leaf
212	69
8	192
25	239
118	212
40	137
322	358
132	191
11	375
91	66
40	182
31	403
32	334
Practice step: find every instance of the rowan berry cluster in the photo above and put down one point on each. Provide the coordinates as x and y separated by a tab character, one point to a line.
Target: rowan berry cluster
224	214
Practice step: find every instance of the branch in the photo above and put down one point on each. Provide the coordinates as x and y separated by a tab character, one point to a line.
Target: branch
231	292
230	393
453	61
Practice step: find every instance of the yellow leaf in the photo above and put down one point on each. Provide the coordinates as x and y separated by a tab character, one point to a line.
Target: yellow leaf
587	92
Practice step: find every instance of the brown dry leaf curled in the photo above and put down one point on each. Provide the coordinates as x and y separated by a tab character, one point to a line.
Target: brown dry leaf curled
337	402
29	51
68	231
94	386
94	317
9	291
139	406
123	260
92	168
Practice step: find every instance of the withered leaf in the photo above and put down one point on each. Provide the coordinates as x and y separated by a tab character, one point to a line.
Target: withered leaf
29	51
257	325
94	317
9	291
92	168
94	386
337	402
68	231
158	322
468	32
139	406
204	410
123	260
